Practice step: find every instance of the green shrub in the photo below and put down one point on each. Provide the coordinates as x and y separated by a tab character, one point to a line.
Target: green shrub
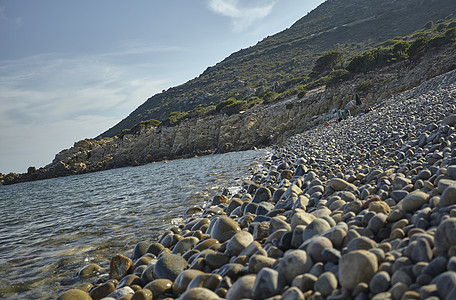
231	106
150	123
417	47
270	97
429	25
328	61
450	34
437	42
123	133
173	119
339	75
364	85
302	91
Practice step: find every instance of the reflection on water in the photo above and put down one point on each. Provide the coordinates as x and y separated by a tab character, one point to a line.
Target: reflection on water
49	229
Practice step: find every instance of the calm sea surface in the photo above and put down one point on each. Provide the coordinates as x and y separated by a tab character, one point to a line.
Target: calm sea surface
50	229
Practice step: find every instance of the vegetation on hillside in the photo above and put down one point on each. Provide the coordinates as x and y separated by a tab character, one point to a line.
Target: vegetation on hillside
327	46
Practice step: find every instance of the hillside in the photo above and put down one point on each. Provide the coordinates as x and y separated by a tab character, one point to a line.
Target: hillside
286	58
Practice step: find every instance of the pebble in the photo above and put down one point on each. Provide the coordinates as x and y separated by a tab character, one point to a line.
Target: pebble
90	270
316	227
305	282
74	294
293	293
183	279
238	243
160	287
121	293
380	283
224	228
143	294
119	267
445	283
445	236
326	284
199	293
242	288
267	283
357	266
316	247
293	263
413	201
170	266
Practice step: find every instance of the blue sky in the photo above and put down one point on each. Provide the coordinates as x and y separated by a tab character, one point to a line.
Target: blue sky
70	70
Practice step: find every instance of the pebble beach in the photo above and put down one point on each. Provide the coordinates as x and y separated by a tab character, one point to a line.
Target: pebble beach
364	208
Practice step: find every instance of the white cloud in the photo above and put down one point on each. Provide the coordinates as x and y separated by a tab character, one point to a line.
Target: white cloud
47	102
242	13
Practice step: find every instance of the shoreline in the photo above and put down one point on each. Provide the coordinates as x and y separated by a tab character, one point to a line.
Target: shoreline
372	197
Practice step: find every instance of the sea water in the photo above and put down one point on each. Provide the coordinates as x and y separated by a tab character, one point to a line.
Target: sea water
50	229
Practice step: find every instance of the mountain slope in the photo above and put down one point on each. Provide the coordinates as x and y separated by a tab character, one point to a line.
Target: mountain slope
348	25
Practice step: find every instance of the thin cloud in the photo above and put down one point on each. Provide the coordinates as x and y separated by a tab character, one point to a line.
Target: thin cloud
49	101
241	13
15	21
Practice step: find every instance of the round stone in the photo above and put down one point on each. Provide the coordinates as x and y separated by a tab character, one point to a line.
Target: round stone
339	184
267	283
74	294
360	243
183	279
326	284
316	247
160	287
444	237
413	201
122	293
257	262
293	293
380	283
262	194
170	266
305	282
143	294
119	267
199	293
90	270
238	242
293	263
380	207
448	196
242	288
185	245
155	248
129	280
205	280
103	290
224	228
445	283
140	249
357	266
316	227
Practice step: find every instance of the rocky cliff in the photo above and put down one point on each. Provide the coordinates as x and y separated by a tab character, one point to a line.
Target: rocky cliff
258	127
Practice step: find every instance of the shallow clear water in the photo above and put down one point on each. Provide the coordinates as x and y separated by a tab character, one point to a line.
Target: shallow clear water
49	229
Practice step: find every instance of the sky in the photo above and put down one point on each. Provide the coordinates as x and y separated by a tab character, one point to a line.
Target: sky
70	70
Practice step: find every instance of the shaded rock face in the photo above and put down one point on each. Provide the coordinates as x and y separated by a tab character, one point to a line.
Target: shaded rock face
260	126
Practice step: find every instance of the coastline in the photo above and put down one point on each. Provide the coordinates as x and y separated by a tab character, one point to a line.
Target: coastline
371	197
259	127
